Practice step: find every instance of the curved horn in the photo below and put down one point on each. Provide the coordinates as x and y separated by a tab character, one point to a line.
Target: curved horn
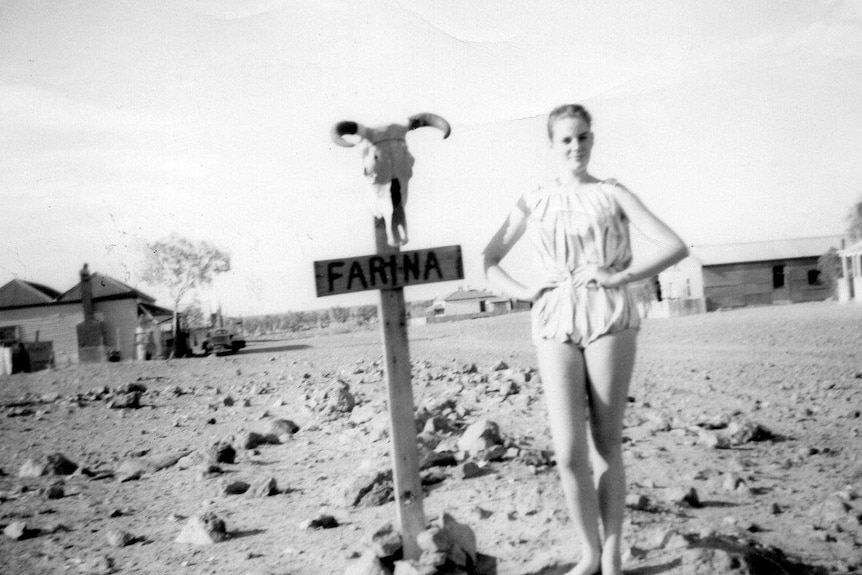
428	119
343	129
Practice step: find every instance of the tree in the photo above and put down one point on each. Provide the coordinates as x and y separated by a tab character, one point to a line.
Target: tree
193	316
854	221
829	265
181	266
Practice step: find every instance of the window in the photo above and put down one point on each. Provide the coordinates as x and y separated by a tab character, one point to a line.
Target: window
777	277
814	277
687	287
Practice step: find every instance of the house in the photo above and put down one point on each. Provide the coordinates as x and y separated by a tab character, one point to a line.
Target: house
850	282
468	302
32	313
753	273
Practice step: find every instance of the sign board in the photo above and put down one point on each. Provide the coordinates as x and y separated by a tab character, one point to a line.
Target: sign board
41	354
393	270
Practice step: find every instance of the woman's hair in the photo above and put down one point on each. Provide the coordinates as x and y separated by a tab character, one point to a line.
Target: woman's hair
568	111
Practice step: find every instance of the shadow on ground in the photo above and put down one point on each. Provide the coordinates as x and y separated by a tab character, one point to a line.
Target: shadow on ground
274	349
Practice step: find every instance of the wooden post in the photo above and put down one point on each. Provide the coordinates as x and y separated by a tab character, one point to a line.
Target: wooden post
405	456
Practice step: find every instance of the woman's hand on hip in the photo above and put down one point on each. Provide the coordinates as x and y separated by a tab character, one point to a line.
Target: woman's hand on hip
594	276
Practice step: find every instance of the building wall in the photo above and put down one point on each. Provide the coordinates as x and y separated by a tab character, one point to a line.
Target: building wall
735	285
58	324
682	281
463	307
54	323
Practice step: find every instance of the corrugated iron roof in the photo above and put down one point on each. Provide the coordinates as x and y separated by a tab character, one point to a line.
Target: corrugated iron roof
462	294
20	293
104	287
710	255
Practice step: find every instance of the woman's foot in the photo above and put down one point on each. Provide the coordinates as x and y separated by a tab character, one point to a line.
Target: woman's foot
589	565
612	563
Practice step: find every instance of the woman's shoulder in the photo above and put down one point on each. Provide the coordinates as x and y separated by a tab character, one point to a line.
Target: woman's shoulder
536	194
614	188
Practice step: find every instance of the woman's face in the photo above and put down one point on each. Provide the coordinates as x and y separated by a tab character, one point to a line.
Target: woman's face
572	142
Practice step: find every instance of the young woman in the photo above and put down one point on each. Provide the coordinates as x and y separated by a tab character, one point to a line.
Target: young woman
584	323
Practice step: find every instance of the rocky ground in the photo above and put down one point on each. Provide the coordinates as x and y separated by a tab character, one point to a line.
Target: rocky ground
742	444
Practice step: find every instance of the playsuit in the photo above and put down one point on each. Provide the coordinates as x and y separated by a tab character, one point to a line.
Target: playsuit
571	225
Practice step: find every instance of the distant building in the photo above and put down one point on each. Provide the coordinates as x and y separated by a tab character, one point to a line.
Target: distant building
754	273
468	302
850	282
31	313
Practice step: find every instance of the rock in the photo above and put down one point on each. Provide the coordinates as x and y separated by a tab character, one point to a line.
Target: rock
469	470
208	470
235	488
500	366
429	458
456	540
223	452
436	424
830	510
19	530
98	565
368	489
507	388
193	459
683	496
53	464
322	521
254	439
637	501
205	529
118	538
633	553
263	487
31	468
493	453
386	541
283	428
713	440
746	431
479	436
367	564
732	481
55	491
130	470
126	401
339	399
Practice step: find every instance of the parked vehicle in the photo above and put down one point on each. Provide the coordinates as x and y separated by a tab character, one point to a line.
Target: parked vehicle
217	340
223	342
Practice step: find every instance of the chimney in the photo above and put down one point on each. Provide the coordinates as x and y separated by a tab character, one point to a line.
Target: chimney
87	295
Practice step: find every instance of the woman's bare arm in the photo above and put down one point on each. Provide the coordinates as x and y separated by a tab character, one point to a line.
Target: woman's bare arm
671	248
500	245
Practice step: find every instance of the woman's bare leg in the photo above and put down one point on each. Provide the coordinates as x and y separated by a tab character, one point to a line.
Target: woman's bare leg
609	364
564	379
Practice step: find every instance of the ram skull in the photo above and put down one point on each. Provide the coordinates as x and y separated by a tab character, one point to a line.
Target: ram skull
388	166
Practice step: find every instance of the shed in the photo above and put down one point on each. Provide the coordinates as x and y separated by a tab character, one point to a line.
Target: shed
750	273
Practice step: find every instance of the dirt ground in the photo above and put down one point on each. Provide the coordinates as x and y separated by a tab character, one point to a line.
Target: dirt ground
789	375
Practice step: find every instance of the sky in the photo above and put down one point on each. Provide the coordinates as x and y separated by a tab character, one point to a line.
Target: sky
122	122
